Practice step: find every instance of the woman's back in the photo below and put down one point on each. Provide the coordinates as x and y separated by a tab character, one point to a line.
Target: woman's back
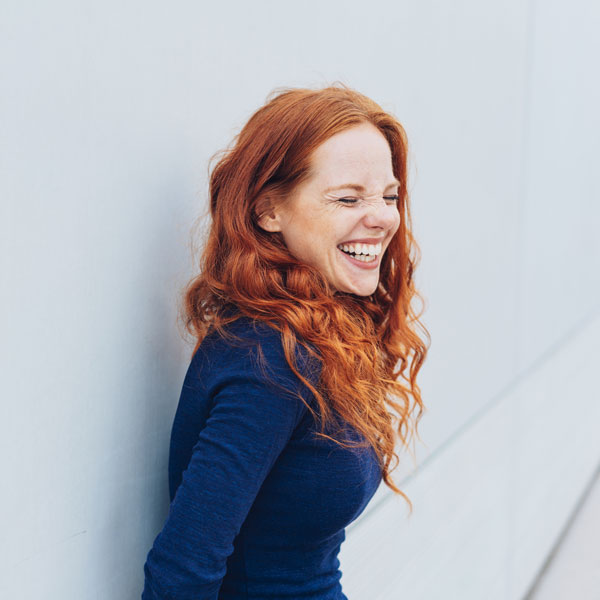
259	504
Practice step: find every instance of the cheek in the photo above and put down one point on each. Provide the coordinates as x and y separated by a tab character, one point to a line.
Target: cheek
305	243
325	231
396	221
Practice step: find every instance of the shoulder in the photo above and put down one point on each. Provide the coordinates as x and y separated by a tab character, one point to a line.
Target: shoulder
252	349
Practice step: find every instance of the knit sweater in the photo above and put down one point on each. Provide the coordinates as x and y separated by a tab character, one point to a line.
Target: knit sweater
259	505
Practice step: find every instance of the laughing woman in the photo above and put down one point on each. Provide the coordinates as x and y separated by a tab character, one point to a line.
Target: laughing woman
303	377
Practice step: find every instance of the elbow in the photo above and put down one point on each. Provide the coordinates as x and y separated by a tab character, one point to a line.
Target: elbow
169	581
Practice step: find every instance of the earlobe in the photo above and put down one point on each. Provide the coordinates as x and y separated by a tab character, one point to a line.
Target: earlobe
266	215
269	223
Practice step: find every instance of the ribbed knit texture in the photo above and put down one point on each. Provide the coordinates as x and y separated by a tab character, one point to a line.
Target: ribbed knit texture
259	505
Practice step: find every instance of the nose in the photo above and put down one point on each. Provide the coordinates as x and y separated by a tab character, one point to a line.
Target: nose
381	214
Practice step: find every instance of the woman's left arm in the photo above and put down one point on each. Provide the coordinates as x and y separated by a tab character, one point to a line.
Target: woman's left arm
248	427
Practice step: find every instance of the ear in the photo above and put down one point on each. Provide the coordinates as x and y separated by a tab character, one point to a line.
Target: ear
267	214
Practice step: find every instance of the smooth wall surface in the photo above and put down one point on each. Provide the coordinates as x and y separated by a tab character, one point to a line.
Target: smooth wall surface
111	113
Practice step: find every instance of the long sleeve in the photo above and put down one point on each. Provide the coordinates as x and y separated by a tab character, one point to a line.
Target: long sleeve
249	424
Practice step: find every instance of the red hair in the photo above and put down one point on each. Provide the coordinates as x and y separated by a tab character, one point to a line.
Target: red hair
368	346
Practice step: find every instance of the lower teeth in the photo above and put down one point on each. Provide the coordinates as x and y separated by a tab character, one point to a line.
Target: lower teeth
362	257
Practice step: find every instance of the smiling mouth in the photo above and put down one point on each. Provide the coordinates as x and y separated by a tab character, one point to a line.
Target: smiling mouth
367	258
361	261
364	253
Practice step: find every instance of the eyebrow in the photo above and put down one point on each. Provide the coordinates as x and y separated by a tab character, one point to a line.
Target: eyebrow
358	187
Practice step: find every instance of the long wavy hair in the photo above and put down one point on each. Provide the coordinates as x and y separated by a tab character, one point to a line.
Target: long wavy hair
368	346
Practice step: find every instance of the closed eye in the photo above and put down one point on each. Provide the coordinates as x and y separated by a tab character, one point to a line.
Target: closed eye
355	200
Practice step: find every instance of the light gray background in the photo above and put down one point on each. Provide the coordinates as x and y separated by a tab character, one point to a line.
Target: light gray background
111	112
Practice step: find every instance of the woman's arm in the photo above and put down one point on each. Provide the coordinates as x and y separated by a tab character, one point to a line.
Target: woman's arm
248	427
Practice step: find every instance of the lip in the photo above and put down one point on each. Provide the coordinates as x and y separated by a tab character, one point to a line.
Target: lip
359	263
364	241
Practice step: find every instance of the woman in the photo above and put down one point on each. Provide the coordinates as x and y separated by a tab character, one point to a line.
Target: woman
293	401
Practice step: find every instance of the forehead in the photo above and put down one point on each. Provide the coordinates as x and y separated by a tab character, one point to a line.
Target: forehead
361	152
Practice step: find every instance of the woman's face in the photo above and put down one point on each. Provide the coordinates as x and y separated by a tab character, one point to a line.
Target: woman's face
348	203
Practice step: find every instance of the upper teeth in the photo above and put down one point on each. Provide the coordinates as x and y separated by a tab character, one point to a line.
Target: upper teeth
373	250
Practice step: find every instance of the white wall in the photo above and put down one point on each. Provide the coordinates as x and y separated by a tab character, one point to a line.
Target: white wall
111	112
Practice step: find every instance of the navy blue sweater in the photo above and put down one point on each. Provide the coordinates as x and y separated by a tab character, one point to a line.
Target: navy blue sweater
259	506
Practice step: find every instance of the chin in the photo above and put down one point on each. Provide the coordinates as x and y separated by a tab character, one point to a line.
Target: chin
361	291
366	293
